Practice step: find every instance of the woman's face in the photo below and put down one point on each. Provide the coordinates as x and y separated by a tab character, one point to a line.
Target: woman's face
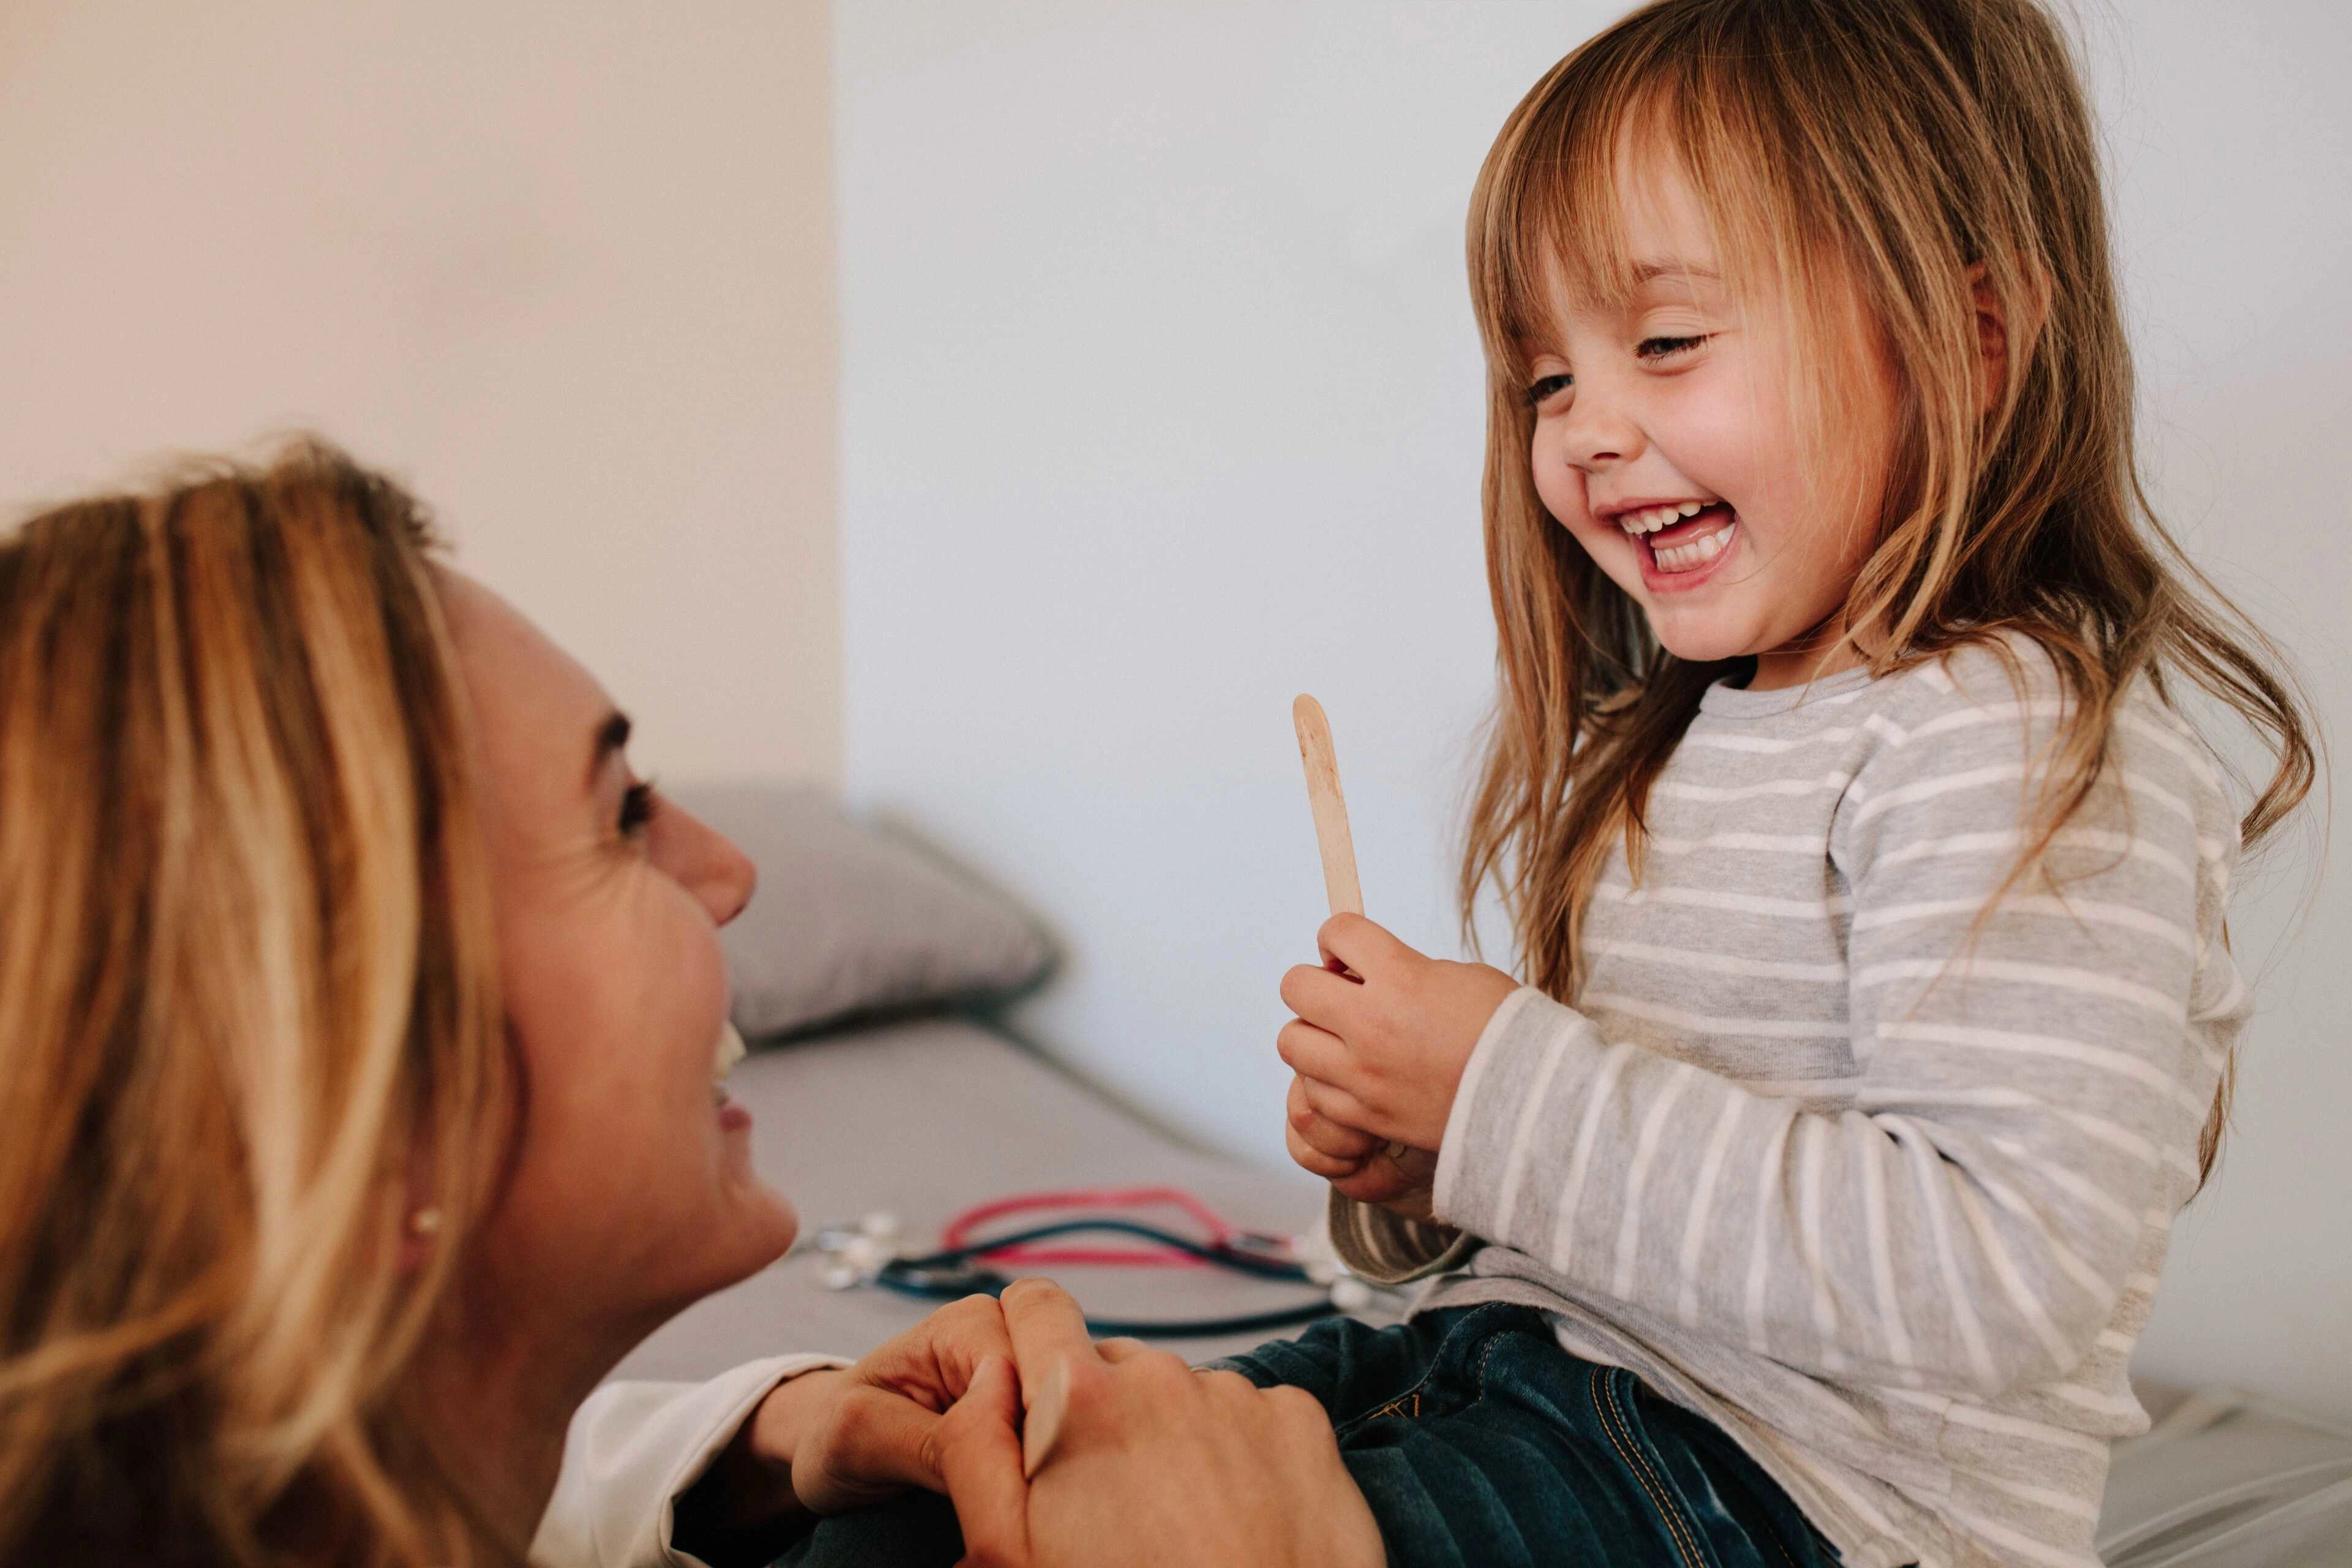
632	1192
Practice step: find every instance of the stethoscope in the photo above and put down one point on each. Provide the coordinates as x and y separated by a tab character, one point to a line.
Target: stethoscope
868	1253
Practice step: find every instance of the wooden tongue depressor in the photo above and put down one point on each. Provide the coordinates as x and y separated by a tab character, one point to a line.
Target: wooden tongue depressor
1043	1424
1330	808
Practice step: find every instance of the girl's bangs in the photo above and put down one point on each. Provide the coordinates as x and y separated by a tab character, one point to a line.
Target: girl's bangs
1549	231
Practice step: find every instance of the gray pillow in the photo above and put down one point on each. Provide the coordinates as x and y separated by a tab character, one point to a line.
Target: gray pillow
850	919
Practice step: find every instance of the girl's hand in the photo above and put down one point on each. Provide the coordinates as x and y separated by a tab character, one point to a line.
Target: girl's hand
1322	1146
1381	1043
1358	1164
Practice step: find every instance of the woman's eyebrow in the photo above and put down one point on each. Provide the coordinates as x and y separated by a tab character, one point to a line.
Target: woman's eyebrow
611	736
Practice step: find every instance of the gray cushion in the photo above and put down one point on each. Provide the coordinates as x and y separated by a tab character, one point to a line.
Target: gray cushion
850	919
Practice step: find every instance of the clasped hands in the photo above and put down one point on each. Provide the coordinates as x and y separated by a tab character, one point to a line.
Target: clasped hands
1377	1047
1155	1462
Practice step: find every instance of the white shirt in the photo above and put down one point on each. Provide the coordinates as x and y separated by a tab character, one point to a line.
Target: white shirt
633	1449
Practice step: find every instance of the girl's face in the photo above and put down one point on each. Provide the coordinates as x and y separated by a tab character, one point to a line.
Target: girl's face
1665	440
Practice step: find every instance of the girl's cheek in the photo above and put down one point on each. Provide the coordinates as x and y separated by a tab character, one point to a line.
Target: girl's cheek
1561	496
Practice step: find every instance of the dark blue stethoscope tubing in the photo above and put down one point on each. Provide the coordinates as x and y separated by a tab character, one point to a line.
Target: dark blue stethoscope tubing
1210	1252
906	1276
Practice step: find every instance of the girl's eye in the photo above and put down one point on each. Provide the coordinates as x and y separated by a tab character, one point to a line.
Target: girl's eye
638	804
1655	349
1545	387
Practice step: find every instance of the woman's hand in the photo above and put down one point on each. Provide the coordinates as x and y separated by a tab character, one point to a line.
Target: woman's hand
1154	1463
831	1440
874	1430
1382	1034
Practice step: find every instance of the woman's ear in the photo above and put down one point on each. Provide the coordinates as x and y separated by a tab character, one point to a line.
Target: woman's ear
420	1227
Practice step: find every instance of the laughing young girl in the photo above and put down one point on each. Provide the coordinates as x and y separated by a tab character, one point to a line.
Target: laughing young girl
1868	886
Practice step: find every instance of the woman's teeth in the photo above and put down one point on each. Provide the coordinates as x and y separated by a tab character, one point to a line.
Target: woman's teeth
1649	519
725	1052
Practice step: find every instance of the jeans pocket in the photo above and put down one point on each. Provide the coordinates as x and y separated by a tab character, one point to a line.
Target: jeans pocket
1447	1376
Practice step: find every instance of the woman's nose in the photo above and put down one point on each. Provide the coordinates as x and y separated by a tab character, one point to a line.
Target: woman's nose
709	866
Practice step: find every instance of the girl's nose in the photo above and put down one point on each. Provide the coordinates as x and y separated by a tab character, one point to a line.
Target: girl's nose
1594	435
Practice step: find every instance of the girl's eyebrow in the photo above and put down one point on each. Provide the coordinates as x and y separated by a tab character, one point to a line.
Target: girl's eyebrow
1651	271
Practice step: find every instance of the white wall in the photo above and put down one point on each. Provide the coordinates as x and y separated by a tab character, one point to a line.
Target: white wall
567	268
2231	140
1162	404
1159	407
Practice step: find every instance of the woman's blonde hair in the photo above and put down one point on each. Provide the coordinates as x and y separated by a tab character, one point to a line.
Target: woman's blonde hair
1863	155
249	1018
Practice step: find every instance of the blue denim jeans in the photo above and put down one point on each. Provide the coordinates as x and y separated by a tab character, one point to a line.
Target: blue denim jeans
1479	1443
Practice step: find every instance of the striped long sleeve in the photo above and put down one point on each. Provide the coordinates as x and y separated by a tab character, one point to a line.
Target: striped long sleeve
1825	1103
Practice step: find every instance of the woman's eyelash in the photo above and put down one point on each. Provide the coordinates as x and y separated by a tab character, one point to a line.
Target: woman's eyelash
1666	348
637	804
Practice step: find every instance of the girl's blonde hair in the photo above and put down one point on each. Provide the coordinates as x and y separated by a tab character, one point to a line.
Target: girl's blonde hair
1863	155
248	1017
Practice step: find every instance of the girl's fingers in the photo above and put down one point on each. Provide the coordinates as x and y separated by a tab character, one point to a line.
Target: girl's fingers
1333	1142
1324	1135
1342	969
1314	1162
1336	1104
1311	1052
1368	949
1321	997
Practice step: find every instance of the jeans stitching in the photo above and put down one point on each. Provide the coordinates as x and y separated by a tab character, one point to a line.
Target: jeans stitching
1684	1533
1413	1390
1639	1467
1780	1545
1625	1419
1773	1533
1483	1357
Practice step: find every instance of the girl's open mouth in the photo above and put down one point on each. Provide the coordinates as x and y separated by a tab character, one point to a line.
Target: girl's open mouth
1691	543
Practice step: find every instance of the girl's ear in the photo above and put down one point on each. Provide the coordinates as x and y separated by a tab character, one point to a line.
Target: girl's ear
1992	334
1999	336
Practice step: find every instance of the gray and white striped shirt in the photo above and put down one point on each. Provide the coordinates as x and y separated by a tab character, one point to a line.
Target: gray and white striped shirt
1886	1203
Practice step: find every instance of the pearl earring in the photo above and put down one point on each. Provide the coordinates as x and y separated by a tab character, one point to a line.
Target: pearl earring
425	1220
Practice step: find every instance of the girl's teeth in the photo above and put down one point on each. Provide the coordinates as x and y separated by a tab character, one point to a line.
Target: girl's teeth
1698	552
1652	519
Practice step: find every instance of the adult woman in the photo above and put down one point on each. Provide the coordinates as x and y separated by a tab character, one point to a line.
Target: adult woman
357	1010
